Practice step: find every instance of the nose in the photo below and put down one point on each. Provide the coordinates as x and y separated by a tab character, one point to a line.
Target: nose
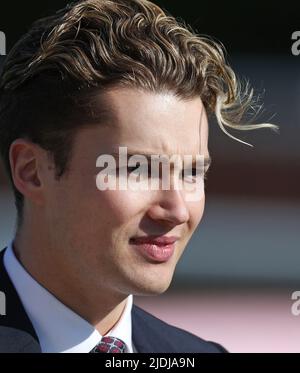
170	207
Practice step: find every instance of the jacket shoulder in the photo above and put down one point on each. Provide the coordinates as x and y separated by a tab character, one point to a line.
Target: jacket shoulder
169	338
16	331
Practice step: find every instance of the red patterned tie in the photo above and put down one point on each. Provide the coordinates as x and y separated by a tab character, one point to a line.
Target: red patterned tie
109	345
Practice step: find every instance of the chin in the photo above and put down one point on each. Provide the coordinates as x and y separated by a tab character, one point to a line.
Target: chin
151	288
146	278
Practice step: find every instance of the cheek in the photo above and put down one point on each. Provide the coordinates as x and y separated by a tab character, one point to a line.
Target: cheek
196	213
120	206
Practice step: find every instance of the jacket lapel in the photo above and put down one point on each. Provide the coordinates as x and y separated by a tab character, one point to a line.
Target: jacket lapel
15	321
140	334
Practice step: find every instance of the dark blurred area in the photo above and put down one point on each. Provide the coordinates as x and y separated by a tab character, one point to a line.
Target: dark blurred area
243	27
249	237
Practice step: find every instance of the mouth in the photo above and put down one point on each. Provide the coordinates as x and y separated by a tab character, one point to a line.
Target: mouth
156	248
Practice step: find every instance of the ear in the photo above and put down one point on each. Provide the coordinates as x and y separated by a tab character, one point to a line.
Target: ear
26	159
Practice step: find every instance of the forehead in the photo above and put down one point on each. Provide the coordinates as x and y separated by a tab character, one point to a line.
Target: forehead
144	123
154	122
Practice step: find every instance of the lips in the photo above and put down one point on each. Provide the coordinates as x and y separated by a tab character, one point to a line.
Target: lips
154	240
155	248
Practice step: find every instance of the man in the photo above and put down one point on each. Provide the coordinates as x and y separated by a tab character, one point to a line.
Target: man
97	77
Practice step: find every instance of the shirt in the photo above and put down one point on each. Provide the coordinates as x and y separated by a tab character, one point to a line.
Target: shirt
58	328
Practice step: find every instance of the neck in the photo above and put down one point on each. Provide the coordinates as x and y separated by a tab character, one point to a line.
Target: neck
101	307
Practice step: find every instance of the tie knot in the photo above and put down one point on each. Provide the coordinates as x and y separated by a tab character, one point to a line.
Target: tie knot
109	345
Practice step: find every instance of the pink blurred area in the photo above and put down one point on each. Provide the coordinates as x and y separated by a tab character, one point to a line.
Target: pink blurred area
242	321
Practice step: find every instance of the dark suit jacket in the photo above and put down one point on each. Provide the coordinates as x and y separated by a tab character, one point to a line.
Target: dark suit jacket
149	334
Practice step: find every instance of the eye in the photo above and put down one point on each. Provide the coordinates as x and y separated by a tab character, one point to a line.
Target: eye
141	170
192	174
131	169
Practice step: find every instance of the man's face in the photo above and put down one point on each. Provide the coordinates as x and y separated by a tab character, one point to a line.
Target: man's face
91	230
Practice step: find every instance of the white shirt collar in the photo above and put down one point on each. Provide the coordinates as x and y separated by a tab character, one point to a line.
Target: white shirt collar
58	328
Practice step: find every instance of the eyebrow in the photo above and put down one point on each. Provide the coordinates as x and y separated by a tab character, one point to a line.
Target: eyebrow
207	159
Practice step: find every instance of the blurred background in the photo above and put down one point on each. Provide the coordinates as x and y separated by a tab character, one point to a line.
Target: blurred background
235	280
